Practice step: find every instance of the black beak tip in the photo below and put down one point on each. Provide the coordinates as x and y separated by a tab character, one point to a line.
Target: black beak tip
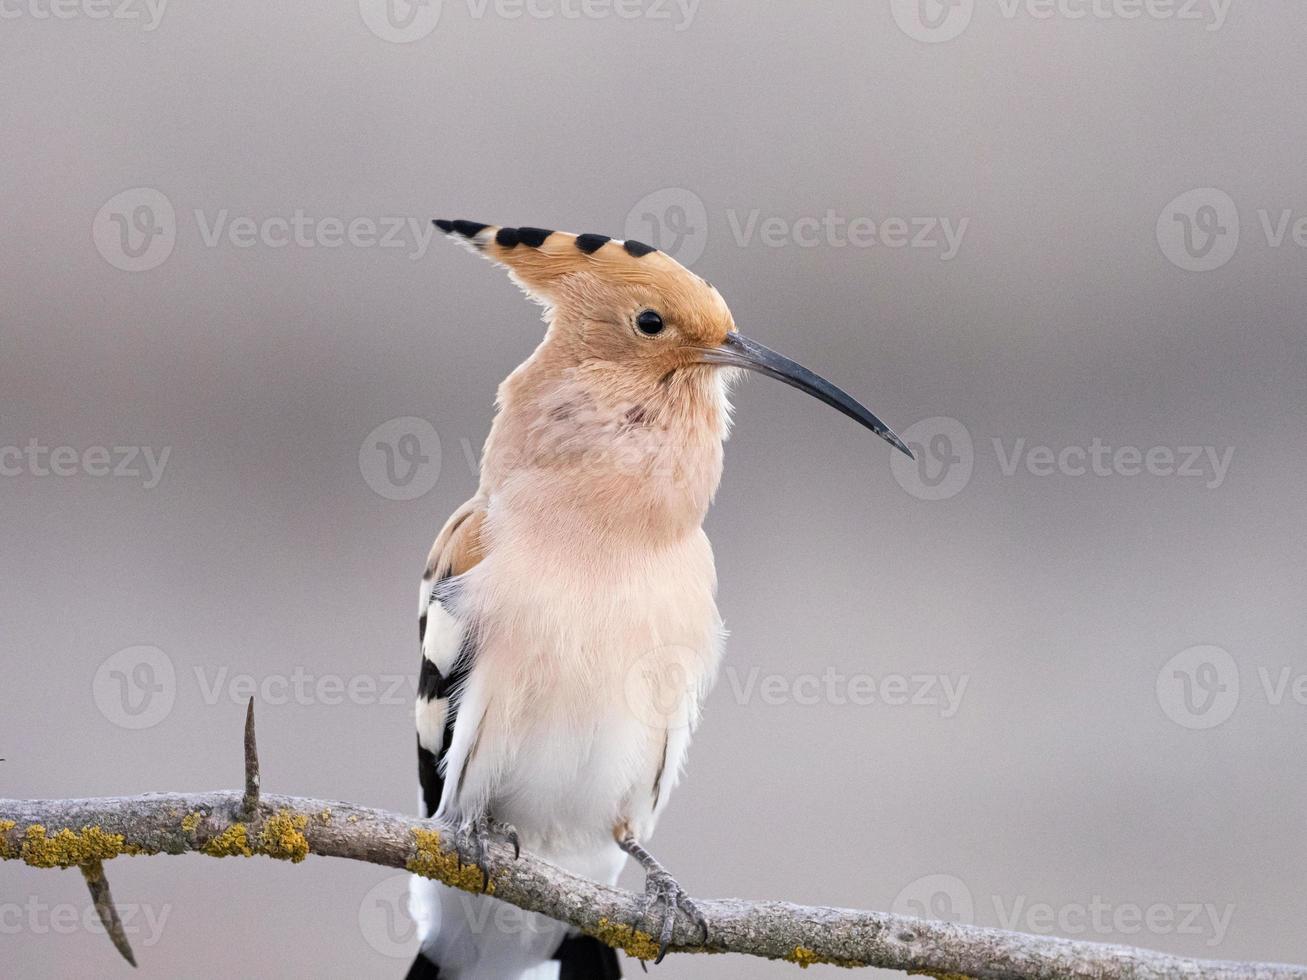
898	444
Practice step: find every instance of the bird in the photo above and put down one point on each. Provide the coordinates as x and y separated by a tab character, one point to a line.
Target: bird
568	624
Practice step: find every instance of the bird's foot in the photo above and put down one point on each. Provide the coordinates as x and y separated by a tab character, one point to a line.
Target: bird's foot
660	888
480	831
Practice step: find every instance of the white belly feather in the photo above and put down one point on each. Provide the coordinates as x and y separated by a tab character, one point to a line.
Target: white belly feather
583	695
576	717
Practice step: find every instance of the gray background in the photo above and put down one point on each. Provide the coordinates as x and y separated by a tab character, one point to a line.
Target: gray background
1065	774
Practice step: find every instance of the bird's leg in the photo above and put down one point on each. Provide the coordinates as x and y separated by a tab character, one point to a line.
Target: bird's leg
480	830
659	886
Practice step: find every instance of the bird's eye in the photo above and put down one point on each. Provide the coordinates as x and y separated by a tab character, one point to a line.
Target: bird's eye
649	322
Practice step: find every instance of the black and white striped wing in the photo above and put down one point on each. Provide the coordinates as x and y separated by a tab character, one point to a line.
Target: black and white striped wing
447	648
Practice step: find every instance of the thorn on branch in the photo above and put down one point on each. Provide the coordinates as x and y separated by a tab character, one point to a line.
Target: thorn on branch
250	802
104	907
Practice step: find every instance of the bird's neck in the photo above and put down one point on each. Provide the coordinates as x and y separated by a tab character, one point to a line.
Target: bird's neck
601	457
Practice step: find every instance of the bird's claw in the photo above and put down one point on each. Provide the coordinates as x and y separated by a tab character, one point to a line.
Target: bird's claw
509	833
480	831
662	888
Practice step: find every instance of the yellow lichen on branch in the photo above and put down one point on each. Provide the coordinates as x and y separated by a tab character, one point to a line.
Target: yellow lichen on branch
806	957
282	837
232	842
431	861
629	939
68	848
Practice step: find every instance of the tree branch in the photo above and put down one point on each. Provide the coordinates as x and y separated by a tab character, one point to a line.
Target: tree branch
105	909
85	833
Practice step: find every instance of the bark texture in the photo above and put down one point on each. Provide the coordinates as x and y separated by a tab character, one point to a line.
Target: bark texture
87	833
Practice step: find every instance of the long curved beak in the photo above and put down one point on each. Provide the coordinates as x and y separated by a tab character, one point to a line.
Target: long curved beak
741	352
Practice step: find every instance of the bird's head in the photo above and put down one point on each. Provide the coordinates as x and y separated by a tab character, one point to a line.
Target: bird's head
632	306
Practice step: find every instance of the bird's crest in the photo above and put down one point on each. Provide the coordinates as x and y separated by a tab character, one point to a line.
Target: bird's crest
545	262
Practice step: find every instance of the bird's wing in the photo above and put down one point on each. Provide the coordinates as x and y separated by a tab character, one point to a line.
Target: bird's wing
446	649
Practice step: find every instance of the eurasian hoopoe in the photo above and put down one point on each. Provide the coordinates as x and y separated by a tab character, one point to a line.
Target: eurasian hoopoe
567	621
